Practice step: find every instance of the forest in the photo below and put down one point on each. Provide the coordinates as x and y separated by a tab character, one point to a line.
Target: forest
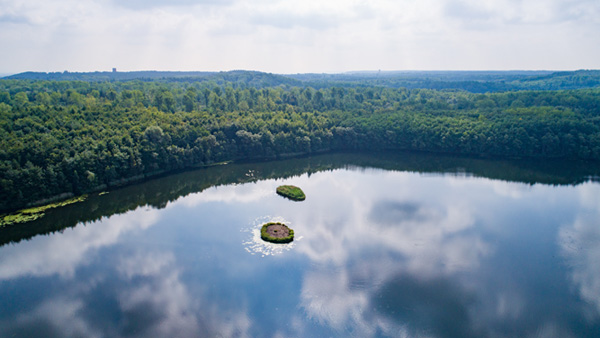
62	138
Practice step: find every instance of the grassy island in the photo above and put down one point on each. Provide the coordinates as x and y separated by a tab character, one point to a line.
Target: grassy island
292	192
276	232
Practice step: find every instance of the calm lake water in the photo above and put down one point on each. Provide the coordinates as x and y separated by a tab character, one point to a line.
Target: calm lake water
386	245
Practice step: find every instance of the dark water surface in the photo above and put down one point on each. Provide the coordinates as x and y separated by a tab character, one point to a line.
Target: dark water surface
386	245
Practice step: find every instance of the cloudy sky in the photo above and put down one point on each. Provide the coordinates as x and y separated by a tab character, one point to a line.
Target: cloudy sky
297	36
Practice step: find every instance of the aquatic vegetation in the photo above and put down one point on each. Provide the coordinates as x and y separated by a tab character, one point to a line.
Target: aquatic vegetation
31	214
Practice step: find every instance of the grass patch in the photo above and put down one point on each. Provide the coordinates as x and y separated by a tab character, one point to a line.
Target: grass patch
31	214
292	192
276	232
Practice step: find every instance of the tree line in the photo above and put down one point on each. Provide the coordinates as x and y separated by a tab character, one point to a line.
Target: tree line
471	81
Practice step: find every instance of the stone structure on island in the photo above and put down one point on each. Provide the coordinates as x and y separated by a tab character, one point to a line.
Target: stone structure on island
276	232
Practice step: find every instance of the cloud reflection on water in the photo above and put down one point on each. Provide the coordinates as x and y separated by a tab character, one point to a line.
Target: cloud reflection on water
57	317
245	193
432	235
62	255
147	293
580	244
147	297
412	251
376	238
156	302
382	254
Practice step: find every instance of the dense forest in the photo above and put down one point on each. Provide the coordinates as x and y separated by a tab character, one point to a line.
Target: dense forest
63	138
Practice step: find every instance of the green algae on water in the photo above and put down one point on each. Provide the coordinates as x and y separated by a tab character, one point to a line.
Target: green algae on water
31	214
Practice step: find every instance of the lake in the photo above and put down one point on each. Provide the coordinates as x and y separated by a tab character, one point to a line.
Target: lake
391	244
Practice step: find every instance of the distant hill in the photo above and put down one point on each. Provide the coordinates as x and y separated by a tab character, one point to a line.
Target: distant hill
471	81
561	80
250	78
107	76
441	76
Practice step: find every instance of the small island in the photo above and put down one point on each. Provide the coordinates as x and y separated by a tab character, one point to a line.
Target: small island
276	232
292	192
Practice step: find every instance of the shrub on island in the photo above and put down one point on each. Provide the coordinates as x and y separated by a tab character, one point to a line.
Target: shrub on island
276	232
292	192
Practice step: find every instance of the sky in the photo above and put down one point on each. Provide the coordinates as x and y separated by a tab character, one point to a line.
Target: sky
298	36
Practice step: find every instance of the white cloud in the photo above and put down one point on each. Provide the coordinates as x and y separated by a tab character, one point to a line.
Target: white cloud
298	36
151	4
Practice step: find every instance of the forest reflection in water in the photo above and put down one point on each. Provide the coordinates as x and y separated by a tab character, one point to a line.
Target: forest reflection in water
411	245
